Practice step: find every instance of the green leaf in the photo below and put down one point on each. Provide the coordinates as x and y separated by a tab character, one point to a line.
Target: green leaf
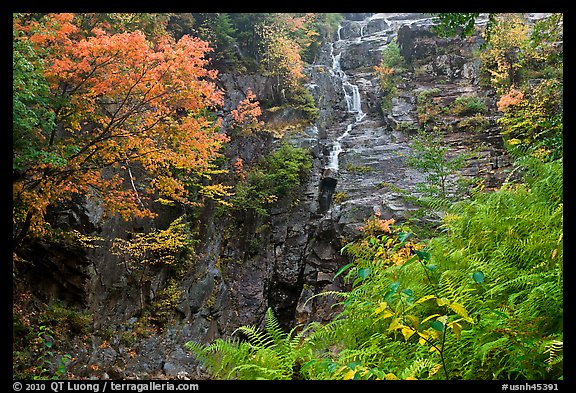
364	272
478	277
390	296
500	313
431	267
422	255
352	365
332	367
307	364
403	236
437	325
343	268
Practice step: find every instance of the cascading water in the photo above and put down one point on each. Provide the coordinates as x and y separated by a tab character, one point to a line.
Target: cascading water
376	31
351	90
353	105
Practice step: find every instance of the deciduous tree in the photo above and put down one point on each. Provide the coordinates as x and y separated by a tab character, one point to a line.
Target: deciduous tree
119	102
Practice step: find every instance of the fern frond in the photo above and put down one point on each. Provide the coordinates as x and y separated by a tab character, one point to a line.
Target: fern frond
344	295
546	299
273	328
492	346
220	355
450	285
417	367
198	350
555	350
256	338
520	282
258	372
326	335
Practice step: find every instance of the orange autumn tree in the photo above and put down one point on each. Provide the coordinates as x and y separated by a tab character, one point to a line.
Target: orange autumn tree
245	116
122	105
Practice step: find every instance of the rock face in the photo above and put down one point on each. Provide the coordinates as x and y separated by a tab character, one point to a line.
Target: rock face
373	146
247	264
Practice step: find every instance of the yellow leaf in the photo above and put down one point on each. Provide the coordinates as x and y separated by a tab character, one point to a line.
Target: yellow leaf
424	298
443	302
390	376
429	318
411	378
165	202
381	307
407	332
461	311
349	375
434	348
395	325
414	320
386	313
457	329
435	334
434	369
423	338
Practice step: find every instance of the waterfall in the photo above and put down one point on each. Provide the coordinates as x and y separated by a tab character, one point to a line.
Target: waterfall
363	25
353	104
337	149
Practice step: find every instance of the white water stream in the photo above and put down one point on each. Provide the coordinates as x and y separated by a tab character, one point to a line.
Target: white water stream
353	105
392	21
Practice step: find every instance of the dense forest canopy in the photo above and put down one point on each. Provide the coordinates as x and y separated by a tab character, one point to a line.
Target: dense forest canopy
127	110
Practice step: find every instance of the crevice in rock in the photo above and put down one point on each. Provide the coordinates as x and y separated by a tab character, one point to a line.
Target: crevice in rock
327	186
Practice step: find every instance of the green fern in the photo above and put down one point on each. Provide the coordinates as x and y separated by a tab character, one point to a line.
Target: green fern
269	354
492	289
420	368
221	356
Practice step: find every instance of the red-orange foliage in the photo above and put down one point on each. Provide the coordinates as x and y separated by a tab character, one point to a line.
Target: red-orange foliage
513	97
384	71
246	114
239	168
121	102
